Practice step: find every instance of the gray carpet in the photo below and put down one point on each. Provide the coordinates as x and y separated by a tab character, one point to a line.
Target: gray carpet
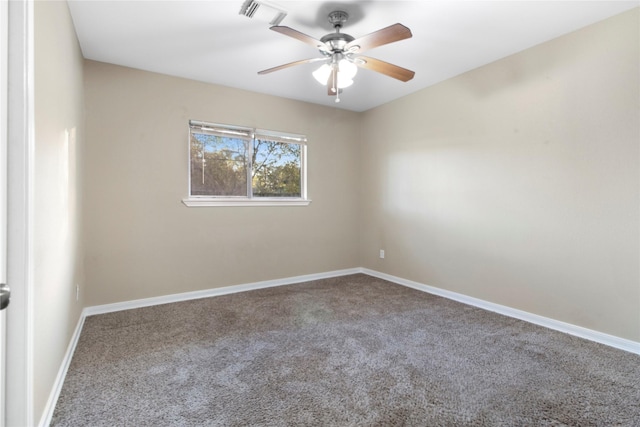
348	351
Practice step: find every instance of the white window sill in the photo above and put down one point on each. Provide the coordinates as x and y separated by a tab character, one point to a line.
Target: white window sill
196	202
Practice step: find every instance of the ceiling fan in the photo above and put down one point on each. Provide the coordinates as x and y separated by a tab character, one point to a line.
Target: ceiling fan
341	53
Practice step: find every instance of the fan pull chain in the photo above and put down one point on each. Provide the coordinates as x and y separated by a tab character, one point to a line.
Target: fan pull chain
335	83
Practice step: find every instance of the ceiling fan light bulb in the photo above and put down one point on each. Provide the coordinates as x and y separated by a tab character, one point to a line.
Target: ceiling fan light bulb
342	82
348	69
322	74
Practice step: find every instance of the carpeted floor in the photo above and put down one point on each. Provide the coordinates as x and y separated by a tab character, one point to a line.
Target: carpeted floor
347	351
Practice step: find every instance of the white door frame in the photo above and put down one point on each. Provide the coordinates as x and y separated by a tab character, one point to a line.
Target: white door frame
4	60
20	153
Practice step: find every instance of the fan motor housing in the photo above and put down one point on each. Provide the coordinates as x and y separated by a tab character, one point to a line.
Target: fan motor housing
337	41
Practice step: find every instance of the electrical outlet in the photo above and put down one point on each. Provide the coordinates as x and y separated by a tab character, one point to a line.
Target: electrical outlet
77	292
381	253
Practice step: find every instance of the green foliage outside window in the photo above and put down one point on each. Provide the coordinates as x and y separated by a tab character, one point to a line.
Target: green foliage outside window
221	166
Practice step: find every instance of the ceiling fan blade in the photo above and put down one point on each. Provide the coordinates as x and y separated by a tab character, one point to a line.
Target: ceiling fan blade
301	36
291	64
385	68
390	34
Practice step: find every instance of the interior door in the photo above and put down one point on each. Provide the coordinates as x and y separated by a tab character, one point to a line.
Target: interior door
18	136
4	59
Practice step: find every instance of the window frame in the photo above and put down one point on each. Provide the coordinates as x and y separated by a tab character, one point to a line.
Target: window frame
249	134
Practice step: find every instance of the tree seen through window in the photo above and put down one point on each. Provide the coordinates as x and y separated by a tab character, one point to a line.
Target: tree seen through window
222	166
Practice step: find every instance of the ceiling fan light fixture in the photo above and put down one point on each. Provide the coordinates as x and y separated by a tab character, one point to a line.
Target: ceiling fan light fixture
346	72
322	74
345	83
347	69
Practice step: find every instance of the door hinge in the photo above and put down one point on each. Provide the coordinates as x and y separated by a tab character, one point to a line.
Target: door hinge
5	296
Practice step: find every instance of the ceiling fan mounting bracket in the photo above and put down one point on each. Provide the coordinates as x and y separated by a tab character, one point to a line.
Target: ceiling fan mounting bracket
337	18
337	41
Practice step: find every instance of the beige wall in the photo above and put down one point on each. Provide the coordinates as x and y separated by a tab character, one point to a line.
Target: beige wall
141	241
518	182
59	122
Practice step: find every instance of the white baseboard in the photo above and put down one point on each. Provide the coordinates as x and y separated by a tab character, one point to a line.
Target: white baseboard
146	302
578	331
602	338
62	373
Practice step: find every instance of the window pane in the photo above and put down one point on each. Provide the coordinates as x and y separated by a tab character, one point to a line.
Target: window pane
276	169
218	165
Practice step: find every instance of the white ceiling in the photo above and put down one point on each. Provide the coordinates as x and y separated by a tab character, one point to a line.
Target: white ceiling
211	42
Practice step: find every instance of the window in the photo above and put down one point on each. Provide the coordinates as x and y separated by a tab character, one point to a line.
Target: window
233	165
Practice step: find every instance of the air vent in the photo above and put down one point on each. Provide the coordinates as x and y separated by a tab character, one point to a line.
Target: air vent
262	11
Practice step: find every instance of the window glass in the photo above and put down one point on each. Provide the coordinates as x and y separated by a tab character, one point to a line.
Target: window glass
276	169
234	162
218	165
